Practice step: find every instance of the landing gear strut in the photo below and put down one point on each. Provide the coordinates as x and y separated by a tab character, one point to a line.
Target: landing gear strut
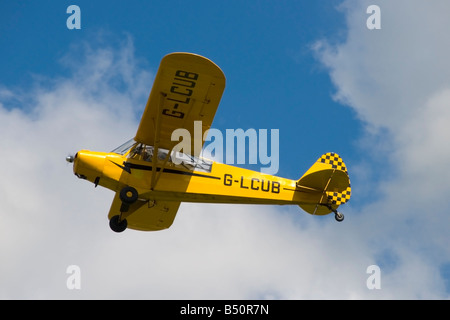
337	215
128	196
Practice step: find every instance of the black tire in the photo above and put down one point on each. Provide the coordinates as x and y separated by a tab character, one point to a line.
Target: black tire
128	195
118	225
339	217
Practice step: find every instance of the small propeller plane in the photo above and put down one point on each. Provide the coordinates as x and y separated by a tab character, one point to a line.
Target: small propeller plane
150	185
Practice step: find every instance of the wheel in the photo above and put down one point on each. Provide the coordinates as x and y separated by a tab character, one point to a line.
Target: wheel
339	216
128	195
117	225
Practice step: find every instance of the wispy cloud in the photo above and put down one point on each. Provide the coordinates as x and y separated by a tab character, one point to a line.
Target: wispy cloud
396	79
40	125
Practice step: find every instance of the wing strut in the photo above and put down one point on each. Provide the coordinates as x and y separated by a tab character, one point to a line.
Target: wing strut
156	179
155	174
156	146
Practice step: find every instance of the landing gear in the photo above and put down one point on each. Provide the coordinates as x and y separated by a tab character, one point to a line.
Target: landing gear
118	225
128	196
337	215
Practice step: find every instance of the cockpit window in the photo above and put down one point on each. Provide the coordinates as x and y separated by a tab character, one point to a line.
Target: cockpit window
124	148
192	163
140	151
144	152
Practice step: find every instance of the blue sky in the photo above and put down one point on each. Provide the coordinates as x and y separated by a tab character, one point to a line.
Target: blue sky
313	70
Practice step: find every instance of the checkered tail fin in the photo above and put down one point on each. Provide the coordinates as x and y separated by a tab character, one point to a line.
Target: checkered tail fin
329	176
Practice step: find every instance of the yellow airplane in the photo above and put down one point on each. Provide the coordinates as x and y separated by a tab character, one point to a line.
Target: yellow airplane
150	181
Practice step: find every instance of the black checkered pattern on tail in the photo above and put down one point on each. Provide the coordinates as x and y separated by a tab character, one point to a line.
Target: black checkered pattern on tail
334	160
339	198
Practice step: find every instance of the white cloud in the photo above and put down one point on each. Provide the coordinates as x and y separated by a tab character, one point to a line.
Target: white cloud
396	79
398	67
43	205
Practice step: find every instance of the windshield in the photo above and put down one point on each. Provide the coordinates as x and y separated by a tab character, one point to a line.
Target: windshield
124	148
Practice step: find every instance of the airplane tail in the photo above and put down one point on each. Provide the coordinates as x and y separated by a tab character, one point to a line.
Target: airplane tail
329	176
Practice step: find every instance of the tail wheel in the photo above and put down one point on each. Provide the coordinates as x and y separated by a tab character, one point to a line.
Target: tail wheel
128	195
338	216
117	225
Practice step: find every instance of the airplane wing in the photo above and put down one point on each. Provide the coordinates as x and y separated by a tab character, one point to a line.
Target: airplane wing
146	215
187	88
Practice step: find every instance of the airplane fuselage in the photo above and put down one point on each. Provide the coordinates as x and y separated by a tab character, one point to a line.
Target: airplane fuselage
219	183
